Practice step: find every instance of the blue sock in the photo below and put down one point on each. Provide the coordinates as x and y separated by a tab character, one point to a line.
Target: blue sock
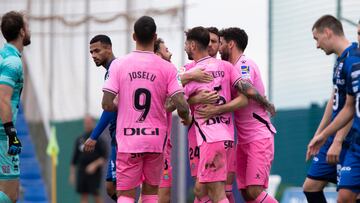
4	198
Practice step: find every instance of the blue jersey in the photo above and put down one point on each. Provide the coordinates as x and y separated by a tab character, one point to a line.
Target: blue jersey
106	119
353	88
341	69
11	74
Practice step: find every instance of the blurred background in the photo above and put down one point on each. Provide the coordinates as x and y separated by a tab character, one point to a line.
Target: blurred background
63	84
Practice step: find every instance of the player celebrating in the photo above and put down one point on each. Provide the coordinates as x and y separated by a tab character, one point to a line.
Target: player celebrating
142	82
255	132
214	136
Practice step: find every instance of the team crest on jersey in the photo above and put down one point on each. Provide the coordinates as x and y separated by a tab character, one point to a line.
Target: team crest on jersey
245	72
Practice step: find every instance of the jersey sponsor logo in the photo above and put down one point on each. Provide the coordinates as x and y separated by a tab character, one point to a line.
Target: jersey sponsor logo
5	169
218	120
141	131
245	72
346	168
217	74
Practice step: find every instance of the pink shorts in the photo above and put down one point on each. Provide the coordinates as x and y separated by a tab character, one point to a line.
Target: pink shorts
133	168
194	151
213	164
254	162
166	175
231	157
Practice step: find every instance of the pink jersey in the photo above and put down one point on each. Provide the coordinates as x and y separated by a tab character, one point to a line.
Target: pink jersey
218	128
142	81
250	120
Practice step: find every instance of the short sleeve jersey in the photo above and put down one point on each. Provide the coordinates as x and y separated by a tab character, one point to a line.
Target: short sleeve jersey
142	81
218	128
11	74
252	122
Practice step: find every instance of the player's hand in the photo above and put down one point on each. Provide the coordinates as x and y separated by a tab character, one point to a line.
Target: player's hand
14	144
207	111
200	75
187	121
72	178
333	154
89	145
91	168
314	145
207	97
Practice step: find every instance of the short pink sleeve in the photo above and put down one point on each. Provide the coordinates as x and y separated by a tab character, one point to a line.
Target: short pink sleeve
173	84
112	84
234	74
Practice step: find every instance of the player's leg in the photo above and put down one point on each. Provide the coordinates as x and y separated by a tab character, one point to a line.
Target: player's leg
152	174
349	183
166	179
111	175
129	168
346	196
9	175
216	191
213	169
200	192
319	174
260	154
9	191
231	173
84	198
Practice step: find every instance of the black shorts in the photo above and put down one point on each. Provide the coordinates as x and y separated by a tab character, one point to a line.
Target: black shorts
89	184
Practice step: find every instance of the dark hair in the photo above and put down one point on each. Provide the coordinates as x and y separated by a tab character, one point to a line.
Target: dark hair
213	30
11	24
145	29
329	21
157	44
104	39
238	35
200	35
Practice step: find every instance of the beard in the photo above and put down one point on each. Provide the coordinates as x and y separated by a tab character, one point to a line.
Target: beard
189	56
225	56
26	41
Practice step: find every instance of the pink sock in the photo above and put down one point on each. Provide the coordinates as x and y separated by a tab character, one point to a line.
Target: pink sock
225	200
264	198
149	198
125	199
229	193
202	200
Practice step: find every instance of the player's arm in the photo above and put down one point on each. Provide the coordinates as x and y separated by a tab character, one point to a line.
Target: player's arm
333	154
210	111
104	121
246	88
198	75
344	116
5	103
14	143
204	97
327	115
182	107
108	101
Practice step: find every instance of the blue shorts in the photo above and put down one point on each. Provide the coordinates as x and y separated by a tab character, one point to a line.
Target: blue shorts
350	173
321	170
111	171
